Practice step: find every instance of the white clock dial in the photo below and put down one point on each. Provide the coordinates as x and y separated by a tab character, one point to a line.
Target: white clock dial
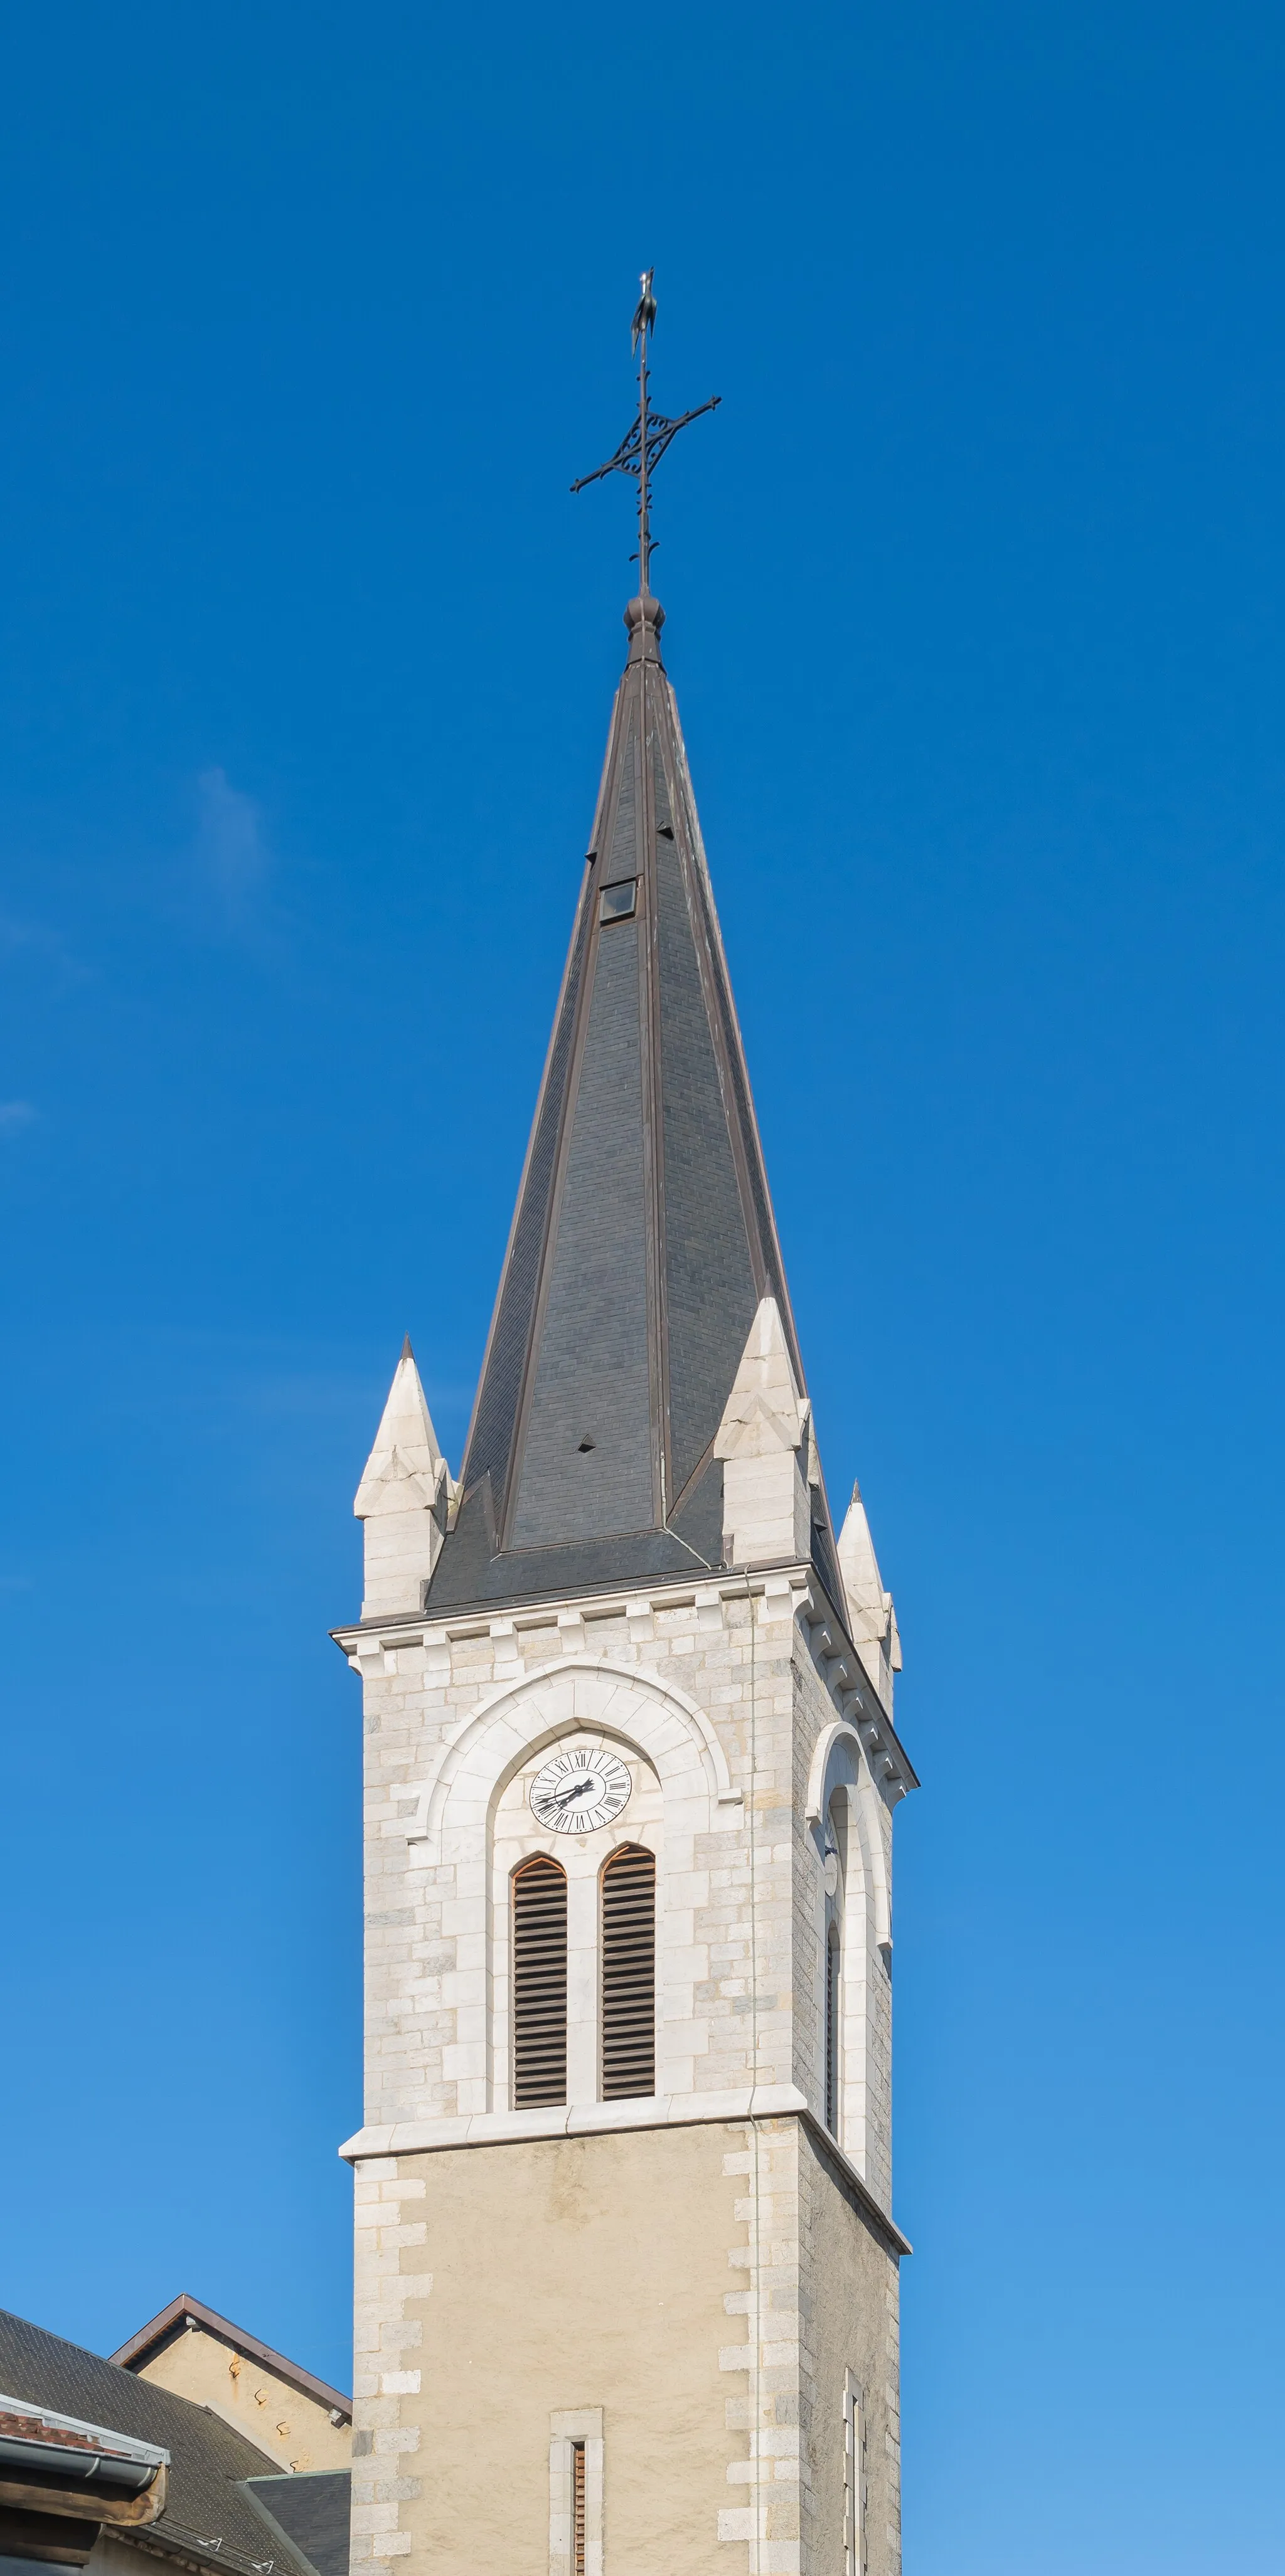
576	1792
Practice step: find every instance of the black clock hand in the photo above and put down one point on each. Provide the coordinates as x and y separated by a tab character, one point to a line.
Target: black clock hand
580	1790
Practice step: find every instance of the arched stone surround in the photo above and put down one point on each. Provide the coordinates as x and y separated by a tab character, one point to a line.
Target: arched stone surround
663	1728
840	1787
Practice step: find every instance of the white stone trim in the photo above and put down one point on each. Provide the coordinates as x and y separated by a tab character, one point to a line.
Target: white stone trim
631	1708
825	1776
497	2128
819	1782
539	1610
572	2425
515	1838
839	1780
469	1756
766	2482
386	2374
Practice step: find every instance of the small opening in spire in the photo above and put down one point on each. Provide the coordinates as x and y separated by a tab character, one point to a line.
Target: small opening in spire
619	902
586	1443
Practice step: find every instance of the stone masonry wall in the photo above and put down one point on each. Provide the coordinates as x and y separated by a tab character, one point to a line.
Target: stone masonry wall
748	1665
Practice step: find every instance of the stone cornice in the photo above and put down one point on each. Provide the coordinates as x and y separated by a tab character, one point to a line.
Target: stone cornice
834	1655
675	1592
602	2119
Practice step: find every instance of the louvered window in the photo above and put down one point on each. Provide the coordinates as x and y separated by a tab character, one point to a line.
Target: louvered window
628	1974
832	2033
577	2510
539	1983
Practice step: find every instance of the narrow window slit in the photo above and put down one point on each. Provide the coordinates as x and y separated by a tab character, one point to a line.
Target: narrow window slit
577	2510
853	2480
832	2033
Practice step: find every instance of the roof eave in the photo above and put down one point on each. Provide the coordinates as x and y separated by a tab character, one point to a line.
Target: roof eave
173	2320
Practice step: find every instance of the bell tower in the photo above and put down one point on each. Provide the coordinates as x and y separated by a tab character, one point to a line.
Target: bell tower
626	2266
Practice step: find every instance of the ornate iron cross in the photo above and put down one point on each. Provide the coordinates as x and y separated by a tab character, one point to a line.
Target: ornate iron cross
647	437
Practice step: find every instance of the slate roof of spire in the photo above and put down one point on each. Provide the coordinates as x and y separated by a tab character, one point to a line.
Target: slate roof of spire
643	1237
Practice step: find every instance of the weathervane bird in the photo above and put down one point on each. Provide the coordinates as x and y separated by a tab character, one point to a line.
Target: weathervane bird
645	317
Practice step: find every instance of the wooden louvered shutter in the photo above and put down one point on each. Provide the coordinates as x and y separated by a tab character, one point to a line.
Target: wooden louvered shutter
539	1983
629	1974
577	2509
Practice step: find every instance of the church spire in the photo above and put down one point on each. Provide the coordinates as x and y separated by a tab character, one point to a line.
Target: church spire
643	1244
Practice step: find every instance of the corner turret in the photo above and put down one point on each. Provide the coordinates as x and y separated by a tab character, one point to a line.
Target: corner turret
404	1498
872	1619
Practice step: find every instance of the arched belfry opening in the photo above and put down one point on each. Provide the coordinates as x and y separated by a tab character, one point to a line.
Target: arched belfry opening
835	1963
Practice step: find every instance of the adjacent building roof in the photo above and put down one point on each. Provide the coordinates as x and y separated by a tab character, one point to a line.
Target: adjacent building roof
643	1239
62	2480
312	2510
174	2319
80	2454
211	2517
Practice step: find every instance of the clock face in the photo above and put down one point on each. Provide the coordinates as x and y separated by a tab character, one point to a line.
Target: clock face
576	1792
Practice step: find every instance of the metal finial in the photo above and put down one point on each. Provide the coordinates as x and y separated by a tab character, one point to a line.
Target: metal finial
648	435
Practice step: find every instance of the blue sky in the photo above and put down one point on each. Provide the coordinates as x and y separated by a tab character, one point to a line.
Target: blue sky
974	582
